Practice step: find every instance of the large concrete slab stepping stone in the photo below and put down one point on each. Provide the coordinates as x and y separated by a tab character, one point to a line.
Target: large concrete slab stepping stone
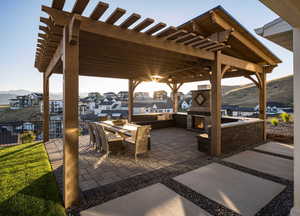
265	163
155	200
277	148
241	192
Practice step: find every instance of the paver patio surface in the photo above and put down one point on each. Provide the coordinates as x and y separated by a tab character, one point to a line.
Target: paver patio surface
265	163
154	200
277	148
241	192
169	146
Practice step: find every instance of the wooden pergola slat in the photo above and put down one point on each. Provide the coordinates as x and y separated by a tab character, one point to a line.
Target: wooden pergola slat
155	28
58	4
79	6
115	16
99	10
144	24
130	20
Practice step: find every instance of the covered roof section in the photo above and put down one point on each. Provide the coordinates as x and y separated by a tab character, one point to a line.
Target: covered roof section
141	49
242	44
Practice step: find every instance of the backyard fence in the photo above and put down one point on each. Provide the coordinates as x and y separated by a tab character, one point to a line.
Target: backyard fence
10	131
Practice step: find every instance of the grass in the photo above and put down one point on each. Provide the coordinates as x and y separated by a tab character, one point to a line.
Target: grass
27	184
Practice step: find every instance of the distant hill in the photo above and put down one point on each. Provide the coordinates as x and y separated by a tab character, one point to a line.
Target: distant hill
16	92
26	114
279	91
226	89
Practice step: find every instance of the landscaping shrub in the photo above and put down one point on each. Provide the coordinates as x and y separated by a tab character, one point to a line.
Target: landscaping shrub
286	117
274	121
27	137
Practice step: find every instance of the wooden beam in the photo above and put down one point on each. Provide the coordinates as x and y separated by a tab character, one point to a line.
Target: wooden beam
196	38
54	60
216	102
241	64
130	20
100	28
115	16
79	6
253	80
70	148
45	108
166	32
99	10
130	99
155	28
185	37
250	43
175	34
58	4
144	24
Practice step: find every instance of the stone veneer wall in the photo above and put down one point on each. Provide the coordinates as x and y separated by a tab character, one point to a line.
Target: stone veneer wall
180	120
237	134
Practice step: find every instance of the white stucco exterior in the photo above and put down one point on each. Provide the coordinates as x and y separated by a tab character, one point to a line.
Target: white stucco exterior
289	10
296	44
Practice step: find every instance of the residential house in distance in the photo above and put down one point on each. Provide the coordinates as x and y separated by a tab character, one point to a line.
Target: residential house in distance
55	107
23	101
160	95
111	95
141	96
123	95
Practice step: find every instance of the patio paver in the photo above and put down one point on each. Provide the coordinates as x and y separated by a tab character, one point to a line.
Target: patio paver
241	192
159	200
169	146
265	163
277	148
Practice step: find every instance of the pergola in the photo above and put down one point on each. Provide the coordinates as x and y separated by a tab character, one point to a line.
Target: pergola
210	47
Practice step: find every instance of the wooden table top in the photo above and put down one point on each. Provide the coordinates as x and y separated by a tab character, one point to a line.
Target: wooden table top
126	129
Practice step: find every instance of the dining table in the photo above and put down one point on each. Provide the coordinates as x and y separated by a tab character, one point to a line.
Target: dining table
124	130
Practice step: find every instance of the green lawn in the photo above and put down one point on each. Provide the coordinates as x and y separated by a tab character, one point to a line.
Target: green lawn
27	185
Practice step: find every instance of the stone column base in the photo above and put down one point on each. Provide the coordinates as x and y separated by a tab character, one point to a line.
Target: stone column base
295	212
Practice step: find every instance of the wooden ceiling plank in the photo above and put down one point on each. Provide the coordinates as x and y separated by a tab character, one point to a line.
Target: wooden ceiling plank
79	6
115	16
99	10
144	24
58	4
155	28
130	20
167	31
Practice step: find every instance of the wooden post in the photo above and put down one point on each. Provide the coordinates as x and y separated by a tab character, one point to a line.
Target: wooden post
216	101
130	99
45	108
175	100
175	87
70	88
263	102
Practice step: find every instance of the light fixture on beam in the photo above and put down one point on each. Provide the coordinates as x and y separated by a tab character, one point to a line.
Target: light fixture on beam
156	78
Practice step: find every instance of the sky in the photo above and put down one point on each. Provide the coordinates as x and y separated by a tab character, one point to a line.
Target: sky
19	29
